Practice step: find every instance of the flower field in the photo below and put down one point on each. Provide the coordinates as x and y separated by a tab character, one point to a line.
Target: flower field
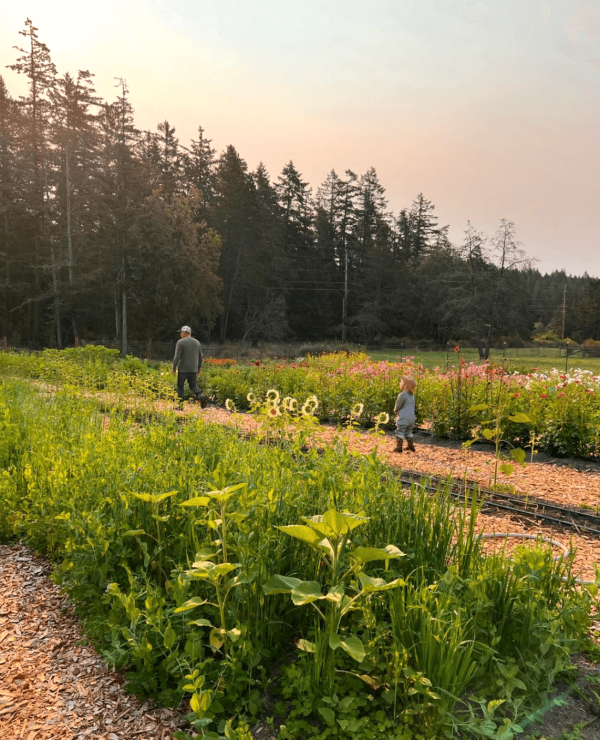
265	582
563	409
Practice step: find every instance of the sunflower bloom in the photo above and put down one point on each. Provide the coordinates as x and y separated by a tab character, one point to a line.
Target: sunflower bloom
357	410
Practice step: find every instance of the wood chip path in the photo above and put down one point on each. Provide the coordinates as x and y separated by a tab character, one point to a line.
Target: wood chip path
52	685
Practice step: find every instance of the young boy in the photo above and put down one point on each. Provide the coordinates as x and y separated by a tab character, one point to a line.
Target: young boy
405	411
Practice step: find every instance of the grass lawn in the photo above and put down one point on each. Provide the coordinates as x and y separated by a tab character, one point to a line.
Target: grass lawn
544	358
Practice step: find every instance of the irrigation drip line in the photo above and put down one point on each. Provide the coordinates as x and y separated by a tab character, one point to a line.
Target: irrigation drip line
524	507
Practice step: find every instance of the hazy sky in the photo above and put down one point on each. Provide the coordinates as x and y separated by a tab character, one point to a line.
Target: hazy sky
491	109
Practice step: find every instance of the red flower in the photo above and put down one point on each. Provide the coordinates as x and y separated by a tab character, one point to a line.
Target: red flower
457	348
562	394
516	395
544	395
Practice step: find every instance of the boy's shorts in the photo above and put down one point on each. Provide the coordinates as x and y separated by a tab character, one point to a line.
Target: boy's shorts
404	430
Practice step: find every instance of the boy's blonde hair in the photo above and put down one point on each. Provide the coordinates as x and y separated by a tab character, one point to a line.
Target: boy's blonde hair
409	382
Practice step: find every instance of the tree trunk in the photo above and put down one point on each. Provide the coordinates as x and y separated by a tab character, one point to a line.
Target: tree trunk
117	313
55	290
70	242
124	315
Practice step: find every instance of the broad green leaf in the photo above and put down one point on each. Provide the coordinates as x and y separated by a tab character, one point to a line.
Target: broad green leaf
493	705
241	580
161	518
369	554
354	647
223	568
190	604
205	554
195	704
163	496
308	647
368	680
215	638
334	641
334	524
280	585
520	418
306	592
234	634
153	498
336	594
196	501
199	703
226	493
201	569
506	468
133	533
301	532
479	407
488	433
200	622
169	637
327	714
519	455
147	497
370	585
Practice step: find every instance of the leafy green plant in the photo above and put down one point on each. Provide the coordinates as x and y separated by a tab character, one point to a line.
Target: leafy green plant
493	431
349	586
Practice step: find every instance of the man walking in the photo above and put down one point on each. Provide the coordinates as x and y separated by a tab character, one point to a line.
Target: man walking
186	365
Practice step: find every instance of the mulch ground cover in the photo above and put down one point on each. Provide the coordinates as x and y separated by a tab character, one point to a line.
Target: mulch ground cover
53	686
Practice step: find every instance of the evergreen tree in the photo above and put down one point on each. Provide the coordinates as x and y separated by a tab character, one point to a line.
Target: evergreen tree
306	285
422	225
75	138
232	217
36	64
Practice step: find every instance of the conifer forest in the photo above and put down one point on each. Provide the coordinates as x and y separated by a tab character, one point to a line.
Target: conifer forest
108	231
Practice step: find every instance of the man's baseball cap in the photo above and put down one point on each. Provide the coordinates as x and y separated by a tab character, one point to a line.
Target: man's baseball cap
186	329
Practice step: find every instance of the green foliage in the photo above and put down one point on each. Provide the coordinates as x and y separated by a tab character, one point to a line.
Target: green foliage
175	540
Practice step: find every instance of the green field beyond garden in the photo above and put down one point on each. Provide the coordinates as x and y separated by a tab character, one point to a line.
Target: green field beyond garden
262	580
513	358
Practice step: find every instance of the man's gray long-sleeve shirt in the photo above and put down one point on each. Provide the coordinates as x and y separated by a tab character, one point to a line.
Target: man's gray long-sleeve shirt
188	355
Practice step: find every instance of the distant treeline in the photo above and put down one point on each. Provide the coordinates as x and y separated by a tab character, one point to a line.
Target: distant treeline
109	231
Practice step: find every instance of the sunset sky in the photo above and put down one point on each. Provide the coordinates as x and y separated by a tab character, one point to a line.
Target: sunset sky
491	109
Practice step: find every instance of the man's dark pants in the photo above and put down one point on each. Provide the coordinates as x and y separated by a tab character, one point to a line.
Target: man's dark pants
191	380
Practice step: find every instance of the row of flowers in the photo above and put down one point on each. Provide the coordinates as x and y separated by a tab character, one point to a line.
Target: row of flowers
564	408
